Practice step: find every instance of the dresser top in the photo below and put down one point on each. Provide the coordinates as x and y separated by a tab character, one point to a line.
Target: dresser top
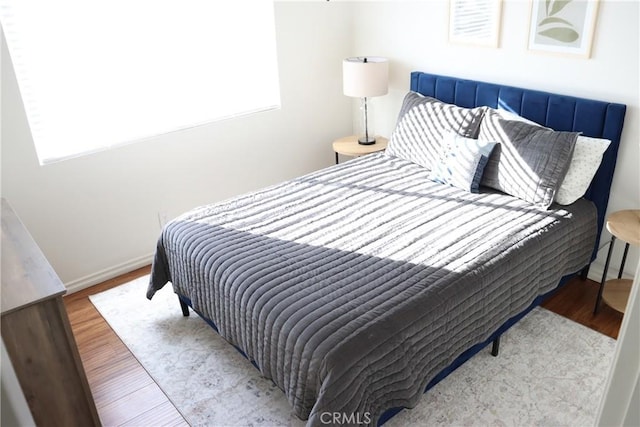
26	276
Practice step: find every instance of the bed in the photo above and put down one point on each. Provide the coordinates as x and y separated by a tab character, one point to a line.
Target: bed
357	287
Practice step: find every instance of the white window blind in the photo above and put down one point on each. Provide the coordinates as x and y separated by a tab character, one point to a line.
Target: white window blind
96	74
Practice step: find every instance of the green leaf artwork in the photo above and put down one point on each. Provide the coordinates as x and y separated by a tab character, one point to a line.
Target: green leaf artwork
554	27
558	6
553	20
566	35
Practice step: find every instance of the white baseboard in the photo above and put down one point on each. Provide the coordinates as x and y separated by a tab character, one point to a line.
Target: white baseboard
596	270
108	273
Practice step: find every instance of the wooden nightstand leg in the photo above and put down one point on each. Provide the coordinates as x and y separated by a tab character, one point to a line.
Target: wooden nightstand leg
604	275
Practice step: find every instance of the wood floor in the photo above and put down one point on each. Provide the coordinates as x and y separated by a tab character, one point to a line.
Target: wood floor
126	395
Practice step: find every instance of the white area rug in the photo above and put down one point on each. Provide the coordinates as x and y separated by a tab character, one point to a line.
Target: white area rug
550	371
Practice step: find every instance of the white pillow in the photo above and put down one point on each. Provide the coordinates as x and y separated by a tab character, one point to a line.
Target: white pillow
462	161
510	115
587	156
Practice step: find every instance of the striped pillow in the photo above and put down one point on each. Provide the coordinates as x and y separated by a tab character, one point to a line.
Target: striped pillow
422	124
529	162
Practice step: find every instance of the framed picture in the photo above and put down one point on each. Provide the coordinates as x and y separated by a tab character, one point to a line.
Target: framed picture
475	22
563	26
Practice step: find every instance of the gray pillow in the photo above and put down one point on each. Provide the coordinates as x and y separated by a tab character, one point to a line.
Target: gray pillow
422	124
529	161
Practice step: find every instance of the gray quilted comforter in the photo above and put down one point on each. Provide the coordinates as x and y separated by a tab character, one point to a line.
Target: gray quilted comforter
352	287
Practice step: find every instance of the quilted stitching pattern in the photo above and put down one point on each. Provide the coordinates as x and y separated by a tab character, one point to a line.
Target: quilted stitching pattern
529	162
352	287
422	125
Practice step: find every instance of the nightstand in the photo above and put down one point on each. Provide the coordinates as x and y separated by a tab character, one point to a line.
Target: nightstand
623	225
349	146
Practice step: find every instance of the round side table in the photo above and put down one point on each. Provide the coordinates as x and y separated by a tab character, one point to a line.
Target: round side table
349	146
623	225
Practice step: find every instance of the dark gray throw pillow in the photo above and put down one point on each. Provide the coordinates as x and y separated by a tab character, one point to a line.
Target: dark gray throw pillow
529	161
422	124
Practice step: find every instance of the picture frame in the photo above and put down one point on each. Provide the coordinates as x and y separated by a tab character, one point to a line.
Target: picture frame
475	22
564	27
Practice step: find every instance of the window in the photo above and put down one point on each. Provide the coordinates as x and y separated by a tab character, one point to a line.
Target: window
96	74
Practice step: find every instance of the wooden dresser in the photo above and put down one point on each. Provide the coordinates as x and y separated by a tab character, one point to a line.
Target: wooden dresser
37	334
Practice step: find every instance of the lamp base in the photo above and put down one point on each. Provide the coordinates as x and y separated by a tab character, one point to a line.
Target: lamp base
366	140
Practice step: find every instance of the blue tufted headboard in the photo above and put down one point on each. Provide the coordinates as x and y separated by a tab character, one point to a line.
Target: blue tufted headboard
596	119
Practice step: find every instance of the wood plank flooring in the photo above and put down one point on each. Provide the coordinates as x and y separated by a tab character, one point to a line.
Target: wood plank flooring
576	300
126	395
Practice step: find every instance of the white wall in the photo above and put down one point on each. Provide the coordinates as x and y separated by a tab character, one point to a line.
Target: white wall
413	35
97	216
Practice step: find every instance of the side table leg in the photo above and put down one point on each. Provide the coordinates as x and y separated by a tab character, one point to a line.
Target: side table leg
604	275
336	158
624	259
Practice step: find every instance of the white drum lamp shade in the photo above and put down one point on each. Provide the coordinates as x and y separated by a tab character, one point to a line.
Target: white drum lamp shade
365	77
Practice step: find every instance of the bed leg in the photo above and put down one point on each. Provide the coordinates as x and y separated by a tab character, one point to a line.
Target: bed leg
585	272
495	348
184	307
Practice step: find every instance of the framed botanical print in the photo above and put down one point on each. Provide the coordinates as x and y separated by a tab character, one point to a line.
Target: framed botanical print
563	26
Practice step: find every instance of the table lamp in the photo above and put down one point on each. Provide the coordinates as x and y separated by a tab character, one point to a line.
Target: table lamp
365	77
